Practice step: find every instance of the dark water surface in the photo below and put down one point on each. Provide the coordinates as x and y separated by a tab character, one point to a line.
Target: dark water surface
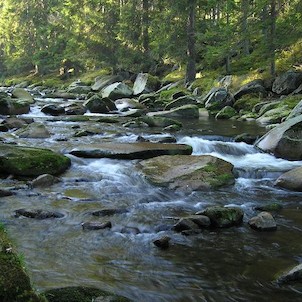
235	264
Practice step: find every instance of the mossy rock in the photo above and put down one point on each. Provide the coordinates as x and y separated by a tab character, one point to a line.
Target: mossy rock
15	285
157	121
81	294
226	113
223	217
246	103
167	95
274	116
26	161
188	173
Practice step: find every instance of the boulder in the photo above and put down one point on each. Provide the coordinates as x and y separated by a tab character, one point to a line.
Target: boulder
126	104
103	81
15	123
188	173
75	109
287	82
264	221
185	112
253	87
5	193
246	138
129	150
291	180
274	116
9	106
218	98
296	111
145	83
15	284
52	109
61	94
97	104
44	180
267	106
159	121
292	275
38	214
22	94
285	140
26	161
226	113
79	89
81	294
224	217
33	130
181	101
193	222
116	91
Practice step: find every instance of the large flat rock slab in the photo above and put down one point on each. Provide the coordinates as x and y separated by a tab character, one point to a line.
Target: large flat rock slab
141	150
188	173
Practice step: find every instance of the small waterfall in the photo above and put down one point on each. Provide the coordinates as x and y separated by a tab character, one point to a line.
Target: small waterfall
249	162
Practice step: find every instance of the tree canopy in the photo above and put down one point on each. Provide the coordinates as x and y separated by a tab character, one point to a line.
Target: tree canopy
141	35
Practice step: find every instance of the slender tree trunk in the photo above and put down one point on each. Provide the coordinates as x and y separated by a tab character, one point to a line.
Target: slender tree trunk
145	26
272	40
245	11
228	55
191	50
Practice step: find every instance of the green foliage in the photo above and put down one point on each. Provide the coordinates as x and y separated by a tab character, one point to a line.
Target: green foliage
231	36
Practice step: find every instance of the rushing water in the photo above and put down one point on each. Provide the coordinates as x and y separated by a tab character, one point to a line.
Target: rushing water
235	264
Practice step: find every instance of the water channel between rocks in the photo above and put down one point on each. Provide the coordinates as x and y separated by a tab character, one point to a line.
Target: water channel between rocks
235	264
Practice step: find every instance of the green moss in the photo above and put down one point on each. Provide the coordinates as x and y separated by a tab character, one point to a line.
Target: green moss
290	101
80	294
246	103
166	95
224	217
289	57
15	284
175	75
24	161
206	81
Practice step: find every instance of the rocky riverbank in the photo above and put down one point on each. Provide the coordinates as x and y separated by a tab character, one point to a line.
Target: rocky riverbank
148	104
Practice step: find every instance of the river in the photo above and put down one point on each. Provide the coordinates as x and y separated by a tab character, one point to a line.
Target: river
234	264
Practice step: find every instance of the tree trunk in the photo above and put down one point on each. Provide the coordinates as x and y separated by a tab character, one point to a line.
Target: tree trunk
272	44
245	11
145	26
191	51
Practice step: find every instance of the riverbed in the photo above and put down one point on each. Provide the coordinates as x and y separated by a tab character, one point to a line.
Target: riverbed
234	264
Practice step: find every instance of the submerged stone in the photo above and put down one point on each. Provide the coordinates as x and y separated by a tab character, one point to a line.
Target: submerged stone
162	242
81	294
263	222
38	214
96	225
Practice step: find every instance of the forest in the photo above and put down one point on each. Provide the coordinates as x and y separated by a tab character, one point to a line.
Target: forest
155	36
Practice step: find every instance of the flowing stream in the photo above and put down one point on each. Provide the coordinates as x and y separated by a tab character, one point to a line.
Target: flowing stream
235	264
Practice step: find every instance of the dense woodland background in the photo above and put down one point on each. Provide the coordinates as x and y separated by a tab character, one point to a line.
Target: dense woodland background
196	36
